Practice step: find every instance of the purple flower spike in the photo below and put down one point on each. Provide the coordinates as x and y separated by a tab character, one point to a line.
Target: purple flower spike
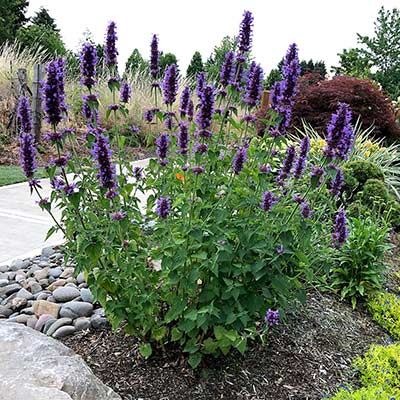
118	215
206	111
197	170
305	210
170	84
163	208
336	184
239	160
340	232
110	49
201	83
106	170
200	148
245	32
268	200
287	165
302	158
138	173
253	91
272	317
185	98
27	151
190	110
88	60
162	144
154	57
264	168
125	93
340	138
53	92
183	138
24	113
227	69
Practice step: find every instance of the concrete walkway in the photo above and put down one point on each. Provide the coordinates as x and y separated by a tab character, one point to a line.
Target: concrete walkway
23	224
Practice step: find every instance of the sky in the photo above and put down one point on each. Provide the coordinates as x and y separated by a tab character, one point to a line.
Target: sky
320	28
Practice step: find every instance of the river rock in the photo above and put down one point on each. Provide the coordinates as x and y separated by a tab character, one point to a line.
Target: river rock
48	251
3	282
55	272
82	323
43	319
24	294
51	371
46	307
64	331
68	272
65	294
75	309
58	324
86	295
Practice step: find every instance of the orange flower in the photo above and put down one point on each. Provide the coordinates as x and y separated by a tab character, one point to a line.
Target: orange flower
180	177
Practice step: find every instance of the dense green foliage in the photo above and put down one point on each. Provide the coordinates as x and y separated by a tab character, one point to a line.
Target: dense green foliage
12	17
136	63
195	66
380	52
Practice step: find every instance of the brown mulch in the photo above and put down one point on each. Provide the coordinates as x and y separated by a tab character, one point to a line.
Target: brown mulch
308	356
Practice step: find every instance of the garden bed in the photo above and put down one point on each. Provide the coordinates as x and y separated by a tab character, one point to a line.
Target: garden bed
305	358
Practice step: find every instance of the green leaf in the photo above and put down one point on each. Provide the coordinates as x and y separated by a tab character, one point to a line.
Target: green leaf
241	345
195	359
145	350
159	333
176	334
50	232
219	332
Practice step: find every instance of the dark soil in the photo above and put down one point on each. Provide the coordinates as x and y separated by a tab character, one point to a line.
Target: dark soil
308	356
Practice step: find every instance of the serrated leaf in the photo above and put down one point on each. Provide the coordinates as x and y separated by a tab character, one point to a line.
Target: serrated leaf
145	350
195	359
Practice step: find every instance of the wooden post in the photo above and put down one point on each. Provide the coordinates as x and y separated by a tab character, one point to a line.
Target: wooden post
22	85
36	101
265	100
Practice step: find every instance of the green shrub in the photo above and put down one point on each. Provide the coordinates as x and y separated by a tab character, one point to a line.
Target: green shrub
359	266
385	310
379	373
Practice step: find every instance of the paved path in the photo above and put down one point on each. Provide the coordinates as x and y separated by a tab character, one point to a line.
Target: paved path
23	225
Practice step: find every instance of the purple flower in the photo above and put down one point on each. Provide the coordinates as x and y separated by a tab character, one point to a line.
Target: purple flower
125	93
197	170
200	148
200	83
185	98
272	317
254	83
134	129
249	118
298	199
70	189
114	107
284	172
264	168
163	208
170	84
113	80
106	169
43	202
110	50
340	136
337	182
88	60
245	32
154	57
268	200
305	209
280	249
53	92
91	115
206	111
24	115
239	160
340	231
169	122
162	144
118	215
149	115
302	158
238	76
57	183
190	110
227	69
27	151
138	173
61	161
283	92
183	138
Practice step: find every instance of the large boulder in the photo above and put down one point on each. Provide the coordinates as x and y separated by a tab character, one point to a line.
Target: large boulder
36	367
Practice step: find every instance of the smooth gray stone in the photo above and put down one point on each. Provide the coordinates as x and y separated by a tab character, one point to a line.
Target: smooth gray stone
43	319
20	319
48	251
98	322
100	311
34	287
75	309
80	278
9	289
31	322
58	324
64	331
66	293
4	268
3	282
5	311
42	296
19	264
55	272
24	294
48	324
86	295
82	323
37	367
28	311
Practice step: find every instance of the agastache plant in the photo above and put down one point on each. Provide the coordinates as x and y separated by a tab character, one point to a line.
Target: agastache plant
24	114
231	223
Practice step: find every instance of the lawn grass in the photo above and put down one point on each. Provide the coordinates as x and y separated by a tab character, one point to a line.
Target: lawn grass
10	174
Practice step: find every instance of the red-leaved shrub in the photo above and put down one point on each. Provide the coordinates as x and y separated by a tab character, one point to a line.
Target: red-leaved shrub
317	100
